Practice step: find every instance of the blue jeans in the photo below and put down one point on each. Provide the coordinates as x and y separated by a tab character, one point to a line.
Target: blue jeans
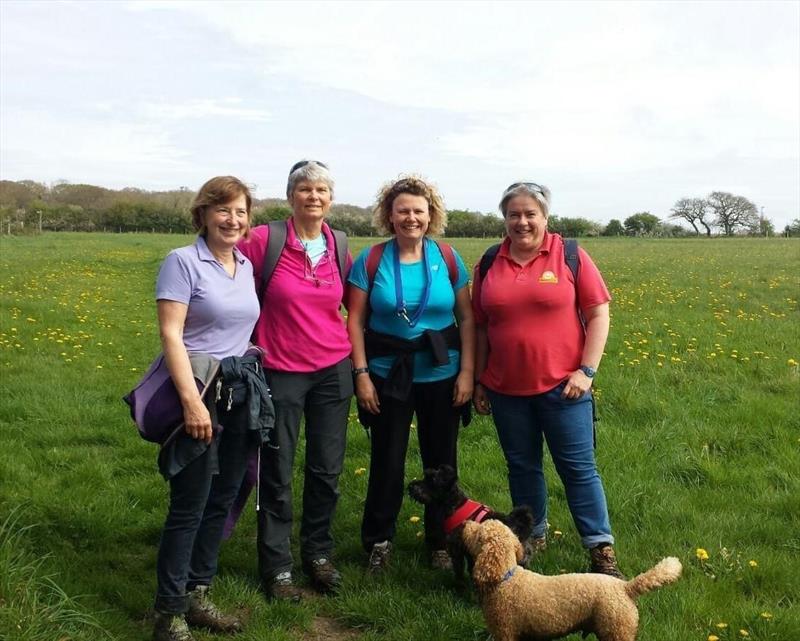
523	423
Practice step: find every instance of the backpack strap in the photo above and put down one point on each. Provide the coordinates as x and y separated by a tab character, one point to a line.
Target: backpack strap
450	260
373	262
572	258
340	245
275	244
487	259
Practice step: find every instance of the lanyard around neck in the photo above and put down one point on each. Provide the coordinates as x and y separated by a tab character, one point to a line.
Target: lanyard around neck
400	303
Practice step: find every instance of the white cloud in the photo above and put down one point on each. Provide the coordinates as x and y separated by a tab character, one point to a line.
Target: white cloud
205	108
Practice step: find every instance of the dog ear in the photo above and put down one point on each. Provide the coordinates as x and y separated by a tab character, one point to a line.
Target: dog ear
471	537
497	554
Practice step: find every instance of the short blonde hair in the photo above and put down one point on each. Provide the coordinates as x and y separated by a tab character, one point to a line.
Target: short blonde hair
415	186
219	191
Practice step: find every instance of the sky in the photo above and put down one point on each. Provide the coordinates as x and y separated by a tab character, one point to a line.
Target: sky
617	107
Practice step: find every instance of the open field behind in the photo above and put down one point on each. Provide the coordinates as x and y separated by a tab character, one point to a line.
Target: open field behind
698	446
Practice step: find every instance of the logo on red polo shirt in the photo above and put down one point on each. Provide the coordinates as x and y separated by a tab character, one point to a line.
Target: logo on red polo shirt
548	277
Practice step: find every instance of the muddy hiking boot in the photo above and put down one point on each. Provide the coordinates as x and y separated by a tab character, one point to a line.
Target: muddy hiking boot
325	578
203	613
282	588
171	627
604	561
379	558
440	560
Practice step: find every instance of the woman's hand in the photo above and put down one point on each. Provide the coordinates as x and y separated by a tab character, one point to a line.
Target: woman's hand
480	400
367	395
577	385
197	420
462	391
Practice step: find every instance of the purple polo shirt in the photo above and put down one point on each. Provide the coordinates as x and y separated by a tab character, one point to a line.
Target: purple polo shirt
223	309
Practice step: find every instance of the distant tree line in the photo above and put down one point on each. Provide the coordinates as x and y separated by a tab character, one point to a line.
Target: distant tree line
28	206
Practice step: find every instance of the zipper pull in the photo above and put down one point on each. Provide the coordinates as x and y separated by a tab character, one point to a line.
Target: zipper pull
219	390
230	399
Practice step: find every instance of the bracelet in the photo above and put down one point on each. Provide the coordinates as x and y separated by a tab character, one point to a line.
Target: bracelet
360	370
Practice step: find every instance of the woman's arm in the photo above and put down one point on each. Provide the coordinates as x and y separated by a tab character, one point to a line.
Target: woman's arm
171	318
597	324
366	394
465	381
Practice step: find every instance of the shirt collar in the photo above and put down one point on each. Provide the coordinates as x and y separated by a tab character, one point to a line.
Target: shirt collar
204	253
291	235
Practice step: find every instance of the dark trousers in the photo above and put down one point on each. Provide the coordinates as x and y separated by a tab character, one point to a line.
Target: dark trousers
200	496
323	398
437	430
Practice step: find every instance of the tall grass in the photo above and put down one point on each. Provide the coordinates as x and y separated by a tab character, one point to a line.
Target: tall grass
698	447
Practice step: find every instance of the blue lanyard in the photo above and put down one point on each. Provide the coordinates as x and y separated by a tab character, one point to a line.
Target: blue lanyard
400	305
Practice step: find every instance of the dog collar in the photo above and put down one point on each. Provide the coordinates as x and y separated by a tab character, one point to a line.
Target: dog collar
508	574
469	511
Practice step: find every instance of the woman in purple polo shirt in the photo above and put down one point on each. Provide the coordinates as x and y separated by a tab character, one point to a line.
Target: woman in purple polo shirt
207	305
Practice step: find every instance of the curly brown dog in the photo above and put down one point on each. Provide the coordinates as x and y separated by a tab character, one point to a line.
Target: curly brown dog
521	605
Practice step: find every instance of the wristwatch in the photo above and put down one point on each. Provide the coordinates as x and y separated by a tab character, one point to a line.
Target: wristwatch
360	370
589	371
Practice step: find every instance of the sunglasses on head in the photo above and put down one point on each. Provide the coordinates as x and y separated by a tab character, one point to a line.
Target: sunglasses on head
303	163
529	185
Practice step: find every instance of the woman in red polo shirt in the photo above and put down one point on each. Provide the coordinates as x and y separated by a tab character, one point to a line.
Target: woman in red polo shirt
535	364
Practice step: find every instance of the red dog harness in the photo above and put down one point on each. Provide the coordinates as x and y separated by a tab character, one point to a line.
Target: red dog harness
469	511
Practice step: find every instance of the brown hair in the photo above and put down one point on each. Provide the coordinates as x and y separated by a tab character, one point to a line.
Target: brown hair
218	191
415	186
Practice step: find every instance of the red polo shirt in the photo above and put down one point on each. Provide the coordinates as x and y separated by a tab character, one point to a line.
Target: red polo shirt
535	336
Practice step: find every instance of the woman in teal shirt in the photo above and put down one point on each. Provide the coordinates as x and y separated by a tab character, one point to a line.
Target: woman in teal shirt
410	324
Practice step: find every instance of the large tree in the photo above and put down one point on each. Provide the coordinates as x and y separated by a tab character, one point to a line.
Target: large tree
732	212
642	224
693	211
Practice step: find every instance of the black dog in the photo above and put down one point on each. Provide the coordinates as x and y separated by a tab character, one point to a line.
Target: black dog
440	487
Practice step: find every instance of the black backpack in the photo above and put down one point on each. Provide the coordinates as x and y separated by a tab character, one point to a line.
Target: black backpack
275	243
571	258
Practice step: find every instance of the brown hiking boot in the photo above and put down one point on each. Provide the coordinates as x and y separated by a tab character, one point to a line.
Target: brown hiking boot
171	627
533	545
604	561
203	613
282	588
379	558
324	576
440	560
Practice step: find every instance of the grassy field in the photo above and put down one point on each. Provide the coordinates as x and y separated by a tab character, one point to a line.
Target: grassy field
698	446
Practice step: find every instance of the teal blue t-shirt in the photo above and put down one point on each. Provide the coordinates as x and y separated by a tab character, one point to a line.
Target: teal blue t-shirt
437	315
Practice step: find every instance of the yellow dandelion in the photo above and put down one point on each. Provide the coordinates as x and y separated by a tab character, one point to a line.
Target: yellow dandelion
414	519
701	554
420	535
744	633
722	625
766	615
360	470
557	534
791	362
713	637
752	563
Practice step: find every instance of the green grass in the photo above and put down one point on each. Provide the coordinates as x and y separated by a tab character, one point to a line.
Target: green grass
698	447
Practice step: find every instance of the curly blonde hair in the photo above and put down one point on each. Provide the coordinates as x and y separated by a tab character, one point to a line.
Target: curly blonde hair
416	186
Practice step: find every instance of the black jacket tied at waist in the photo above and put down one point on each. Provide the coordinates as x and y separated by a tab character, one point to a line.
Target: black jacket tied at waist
401	375
247	371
